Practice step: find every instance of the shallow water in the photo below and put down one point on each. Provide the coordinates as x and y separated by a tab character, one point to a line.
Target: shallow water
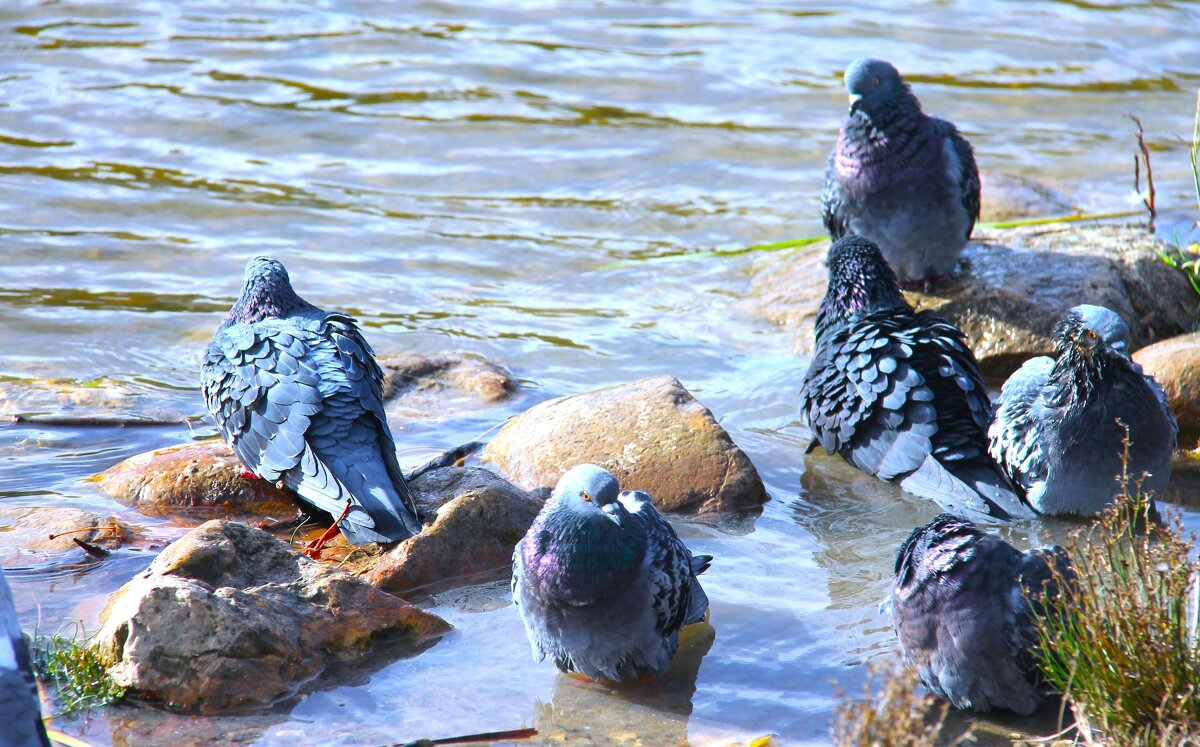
454	174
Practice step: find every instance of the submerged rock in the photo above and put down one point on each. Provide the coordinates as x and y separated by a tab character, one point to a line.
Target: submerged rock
651	434
1175	364
230	619
432	385
1008	197
199	479
1011	289
477	519
39	529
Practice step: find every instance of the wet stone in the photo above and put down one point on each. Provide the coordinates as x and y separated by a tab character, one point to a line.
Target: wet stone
28	529
432	385
651	433
1175	364
475	518
1011	289
229	619
1007	197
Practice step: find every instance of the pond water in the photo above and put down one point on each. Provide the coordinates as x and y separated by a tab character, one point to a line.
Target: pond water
457	175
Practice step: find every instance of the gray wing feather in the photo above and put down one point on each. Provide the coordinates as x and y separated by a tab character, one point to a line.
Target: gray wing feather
677	595
832	213
1013	437
968	180
23	725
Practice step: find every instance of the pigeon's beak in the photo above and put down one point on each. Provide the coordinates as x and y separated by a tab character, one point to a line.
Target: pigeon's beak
855	102
611	510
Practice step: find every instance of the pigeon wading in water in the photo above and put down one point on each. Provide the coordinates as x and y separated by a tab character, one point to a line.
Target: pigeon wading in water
22	725
897	393
1056	433
900	178
602	582
963	608
298	395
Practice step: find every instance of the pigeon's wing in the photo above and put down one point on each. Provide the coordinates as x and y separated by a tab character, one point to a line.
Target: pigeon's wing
968	176
678	598
351	435
832	213
23	725
302	404
1015	440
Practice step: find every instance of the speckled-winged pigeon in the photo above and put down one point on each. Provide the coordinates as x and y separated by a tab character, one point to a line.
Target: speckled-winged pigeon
905	180
22	716
962	605
898	393
1055	430
602	581
297	393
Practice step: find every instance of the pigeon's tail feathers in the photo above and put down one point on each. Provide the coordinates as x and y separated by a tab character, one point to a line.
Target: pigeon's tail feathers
932	480
697	601
989	482
700	564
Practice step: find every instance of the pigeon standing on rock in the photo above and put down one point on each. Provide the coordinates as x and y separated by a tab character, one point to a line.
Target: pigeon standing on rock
898	393
22	715
602	582
905	180
963	604
1055	431
298	395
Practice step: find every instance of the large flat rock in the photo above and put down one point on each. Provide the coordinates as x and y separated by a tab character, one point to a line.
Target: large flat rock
1011	289
1175	364
651	433
229	619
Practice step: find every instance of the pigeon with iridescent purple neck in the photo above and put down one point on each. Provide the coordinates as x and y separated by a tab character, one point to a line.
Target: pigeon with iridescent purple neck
602	582
902	179
898	393
963	605
298	395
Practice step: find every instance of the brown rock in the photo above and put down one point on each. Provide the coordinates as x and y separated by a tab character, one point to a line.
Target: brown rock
420	385
652	434
1175	364
30	528
478	518
199	479
230	619
1008	197
1011	290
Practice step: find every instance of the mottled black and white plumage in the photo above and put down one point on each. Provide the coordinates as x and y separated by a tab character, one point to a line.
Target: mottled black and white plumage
602	582
21	723
298	395
1055	431
905	180
962	608
898	393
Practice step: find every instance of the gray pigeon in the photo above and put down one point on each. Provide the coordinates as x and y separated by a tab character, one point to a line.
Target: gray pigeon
900	178
602	582
1055	431
23	725
963	603
298	395
898	393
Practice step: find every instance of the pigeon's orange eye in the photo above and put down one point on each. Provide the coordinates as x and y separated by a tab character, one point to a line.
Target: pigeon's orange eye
585	496
1091	335
874	82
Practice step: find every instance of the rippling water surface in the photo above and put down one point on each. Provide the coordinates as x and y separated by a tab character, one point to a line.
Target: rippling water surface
455	175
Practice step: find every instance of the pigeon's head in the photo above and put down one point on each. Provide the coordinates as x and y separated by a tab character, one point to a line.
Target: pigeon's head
874	86
1106	323
586	488
860	281
934	547
266	293
1088	329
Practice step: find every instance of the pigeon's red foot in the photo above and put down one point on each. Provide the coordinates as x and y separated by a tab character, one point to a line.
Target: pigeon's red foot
248	475
314	548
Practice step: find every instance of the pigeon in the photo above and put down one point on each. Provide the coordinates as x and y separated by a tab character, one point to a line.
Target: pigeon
602	582
905	180
23	725
963	605
297	394
1056	433
898	394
